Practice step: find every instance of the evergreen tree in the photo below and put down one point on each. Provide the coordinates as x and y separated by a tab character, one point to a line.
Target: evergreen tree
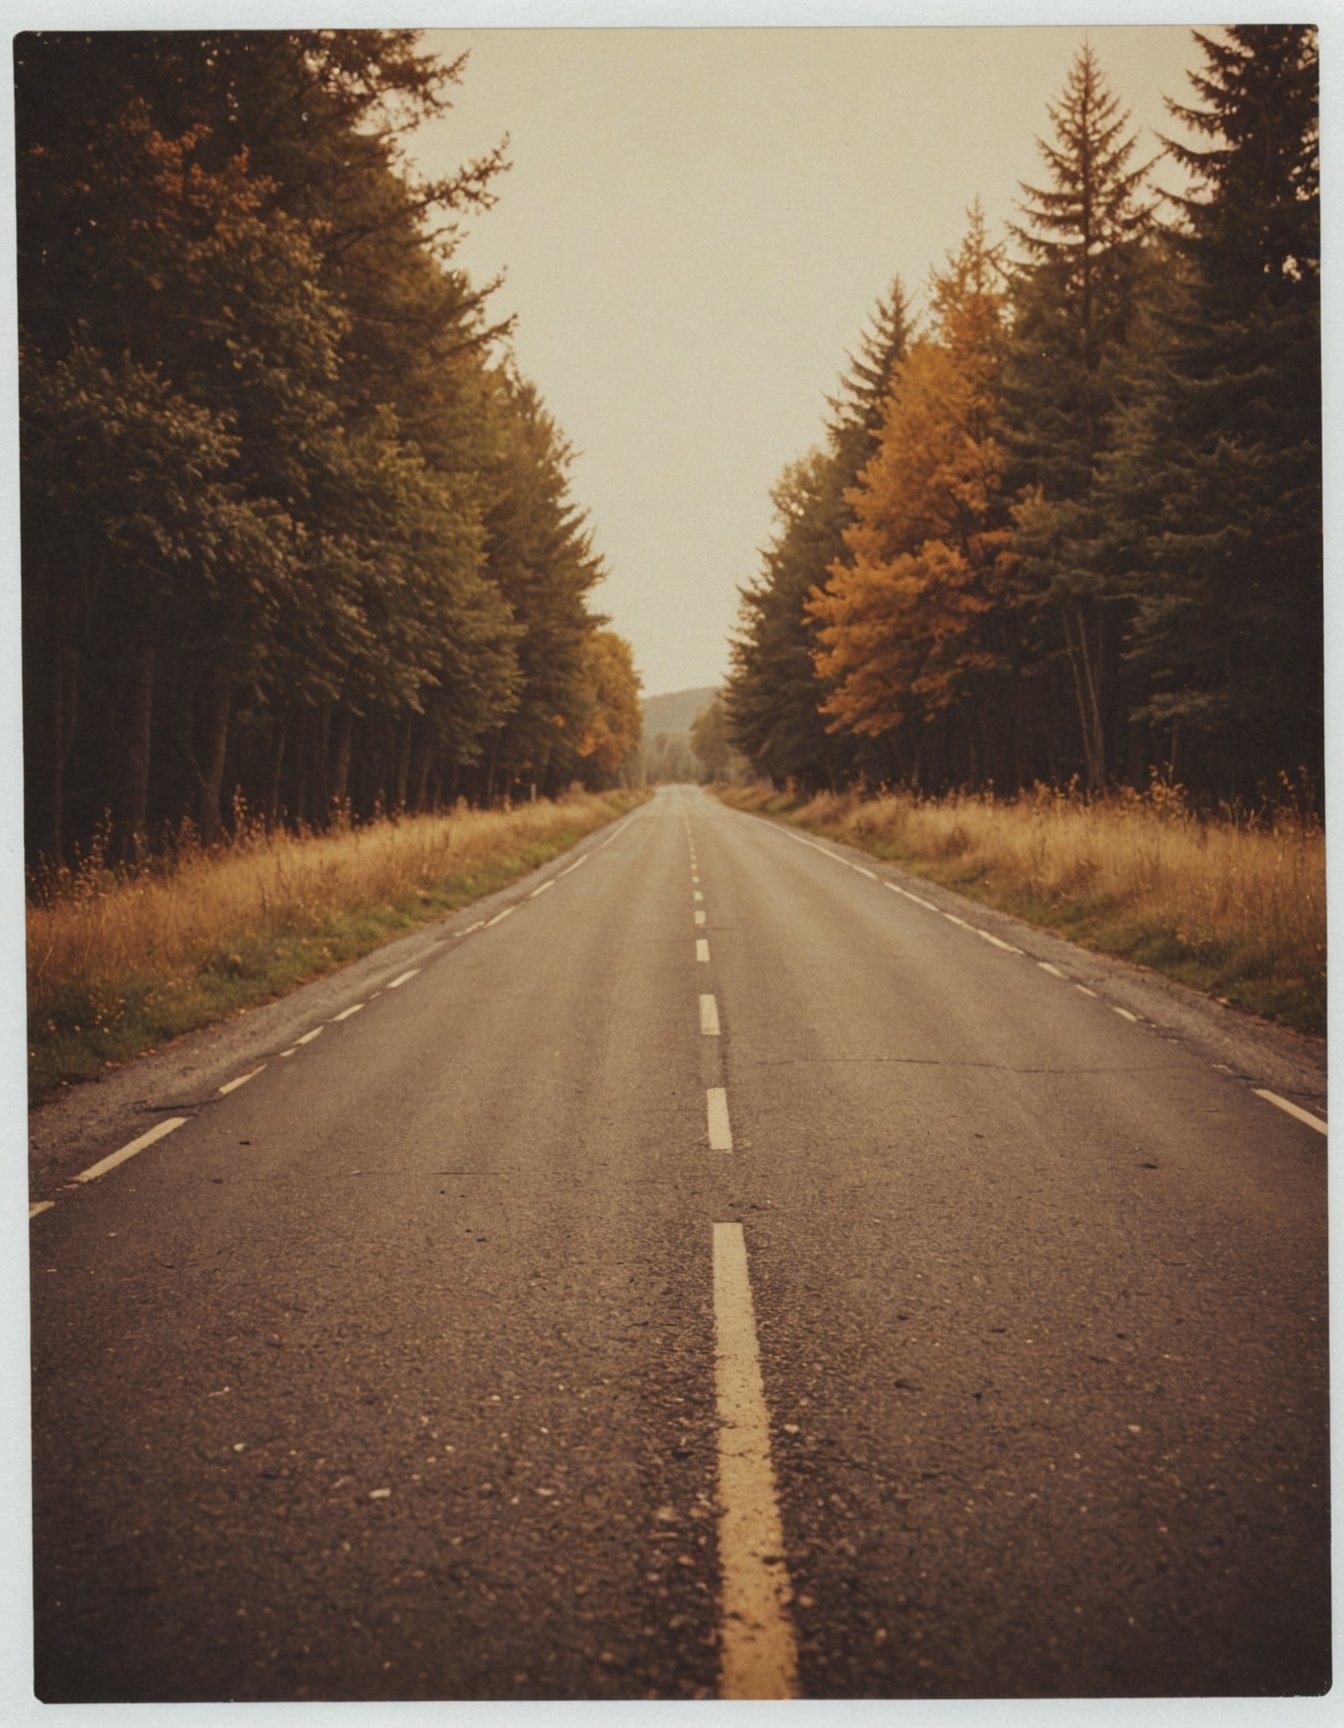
286	527
1221	486
539	553
1076	298
774	696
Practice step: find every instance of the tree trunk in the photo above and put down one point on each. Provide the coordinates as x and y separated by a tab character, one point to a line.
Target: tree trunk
216	752
1085	665
403	779
302	800
64	715
139	740
340	785
277	773
422	777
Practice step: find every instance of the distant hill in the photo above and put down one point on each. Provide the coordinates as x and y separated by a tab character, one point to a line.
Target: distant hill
676	712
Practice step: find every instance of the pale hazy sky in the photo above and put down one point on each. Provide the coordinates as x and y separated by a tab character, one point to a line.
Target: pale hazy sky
695	228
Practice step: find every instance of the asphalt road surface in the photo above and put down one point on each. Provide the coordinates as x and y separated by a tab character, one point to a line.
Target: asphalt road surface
718	1265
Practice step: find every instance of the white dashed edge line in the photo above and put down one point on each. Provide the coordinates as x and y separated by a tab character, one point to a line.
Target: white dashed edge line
37	1207
1294	1110
242	1080
157	1132
1045	966
994	941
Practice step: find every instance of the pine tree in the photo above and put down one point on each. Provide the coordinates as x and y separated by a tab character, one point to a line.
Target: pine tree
286	527
774	696
1076	298
539	553
1229	633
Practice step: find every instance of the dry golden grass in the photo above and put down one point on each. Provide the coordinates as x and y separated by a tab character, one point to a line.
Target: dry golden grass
118	960
1235	908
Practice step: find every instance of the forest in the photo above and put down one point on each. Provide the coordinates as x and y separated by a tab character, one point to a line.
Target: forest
1065	526
298	543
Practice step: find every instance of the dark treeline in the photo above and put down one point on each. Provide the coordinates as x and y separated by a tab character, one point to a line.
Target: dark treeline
1071	525
297	537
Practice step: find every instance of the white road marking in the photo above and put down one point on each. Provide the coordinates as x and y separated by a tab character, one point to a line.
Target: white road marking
953	919
542	889
308	1037
870	874
699	917
405	978
709	1017
1293	1110
499	917
40	1206
347	1013
716	1110
928	905
697	895
103	1165
1124	1013
758	1655
1054	971
571	868
1085	991
242	1080
985	936
701	949
616	831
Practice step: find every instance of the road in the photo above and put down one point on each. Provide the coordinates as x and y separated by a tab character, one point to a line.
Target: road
719	1265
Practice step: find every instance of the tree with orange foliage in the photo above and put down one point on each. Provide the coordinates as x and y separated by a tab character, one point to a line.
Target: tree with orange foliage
609	745
911	624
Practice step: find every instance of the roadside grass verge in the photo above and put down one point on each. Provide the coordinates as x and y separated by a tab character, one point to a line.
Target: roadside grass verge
1235	909
120	961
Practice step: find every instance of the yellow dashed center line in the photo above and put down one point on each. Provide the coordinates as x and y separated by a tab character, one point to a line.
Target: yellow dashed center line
758	1656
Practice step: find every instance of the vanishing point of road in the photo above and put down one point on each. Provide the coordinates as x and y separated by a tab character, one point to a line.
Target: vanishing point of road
717	1266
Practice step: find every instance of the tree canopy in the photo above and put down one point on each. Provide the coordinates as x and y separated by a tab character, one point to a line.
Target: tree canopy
297	537
1074	529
